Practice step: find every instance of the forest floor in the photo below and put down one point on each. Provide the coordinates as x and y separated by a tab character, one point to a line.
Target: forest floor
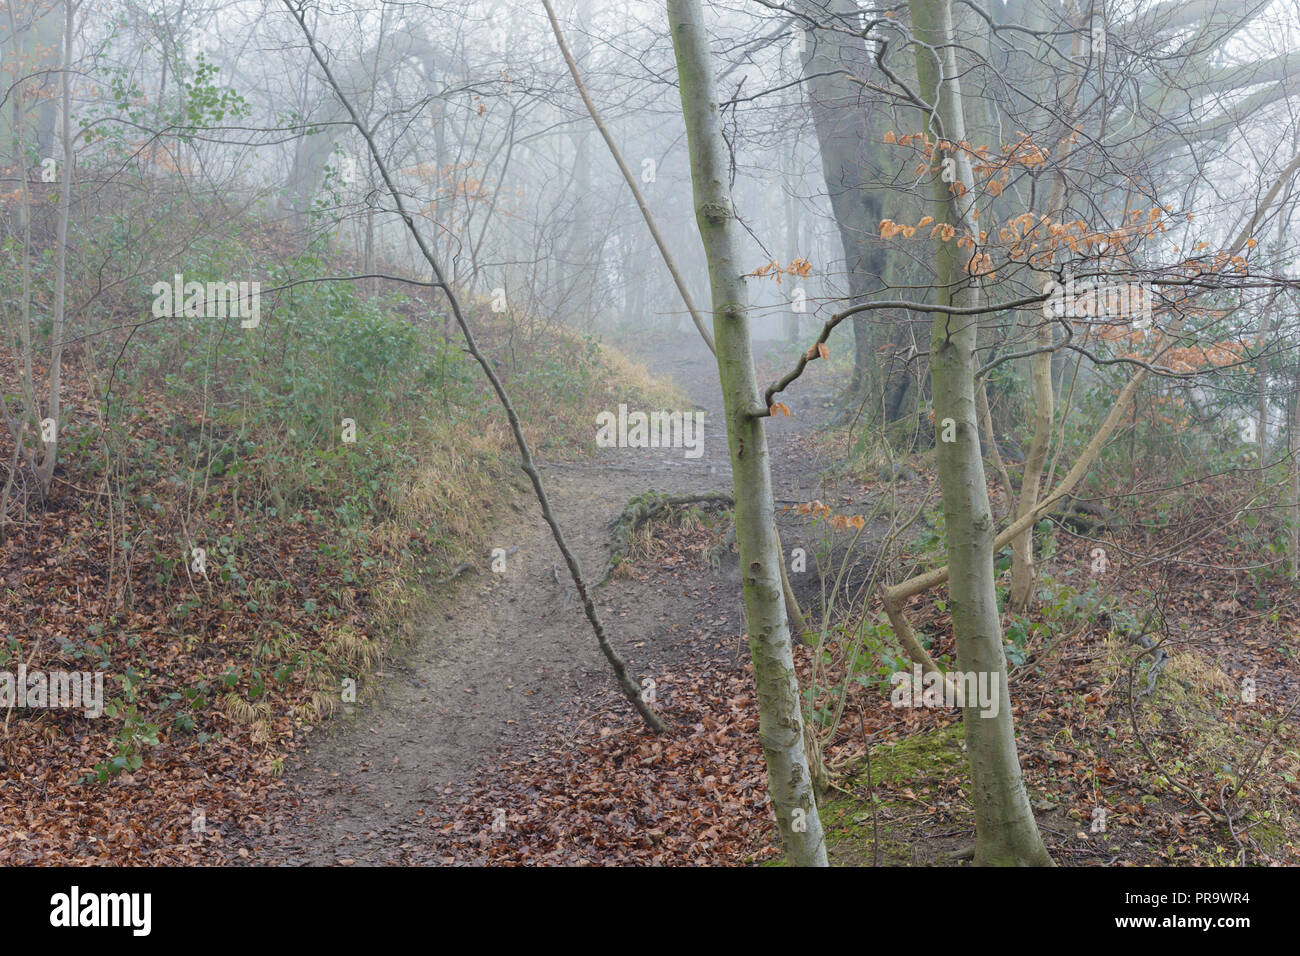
501	738
509	662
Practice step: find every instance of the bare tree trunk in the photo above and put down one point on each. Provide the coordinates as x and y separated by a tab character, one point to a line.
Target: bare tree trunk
1263	367
849	141
1295	485
990	437
793	245
1022	548
1023	575
372	285
1006	832
29	415
781	727
45	473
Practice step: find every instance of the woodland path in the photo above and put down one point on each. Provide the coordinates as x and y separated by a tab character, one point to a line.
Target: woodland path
507	656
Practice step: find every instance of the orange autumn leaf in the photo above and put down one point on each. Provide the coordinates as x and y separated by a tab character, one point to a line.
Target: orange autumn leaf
778	407
889	229
814	508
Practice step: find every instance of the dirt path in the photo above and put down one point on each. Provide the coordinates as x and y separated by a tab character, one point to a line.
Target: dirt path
509	653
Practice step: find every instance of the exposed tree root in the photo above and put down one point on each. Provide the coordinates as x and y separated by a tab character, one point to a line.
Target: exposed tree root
653	503
1084	517
644	507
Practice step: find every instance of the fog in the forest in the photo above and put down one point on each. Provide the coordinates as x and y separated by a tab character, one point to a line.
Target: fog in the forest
572	433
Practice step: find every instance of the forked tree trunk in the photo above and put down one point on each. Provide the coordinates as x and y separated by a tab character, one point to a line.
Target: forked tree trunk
1006	832
780	717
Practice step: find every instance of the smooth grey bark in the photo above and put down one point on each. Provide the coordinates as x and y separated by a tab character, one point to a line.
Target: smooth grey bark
781	729
845	140
1295	485
45	473
1023	574
1006	832
850	124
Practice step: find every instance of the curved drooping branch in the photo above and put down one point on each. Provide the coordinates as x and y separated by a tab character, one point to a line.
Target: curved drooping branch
678	280
630	688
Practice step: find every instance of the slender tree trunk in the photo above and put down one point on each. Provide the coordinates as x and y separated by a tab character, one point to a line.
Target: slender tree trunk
1023	575
780	716
22	212
990	438
1006	832
1263	367
372	285
1295	485
45	473
1022	548
793	246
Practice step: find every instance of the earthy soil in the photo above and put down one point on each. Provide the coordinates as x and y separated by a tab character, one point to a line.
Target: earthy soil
505	660
504	703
